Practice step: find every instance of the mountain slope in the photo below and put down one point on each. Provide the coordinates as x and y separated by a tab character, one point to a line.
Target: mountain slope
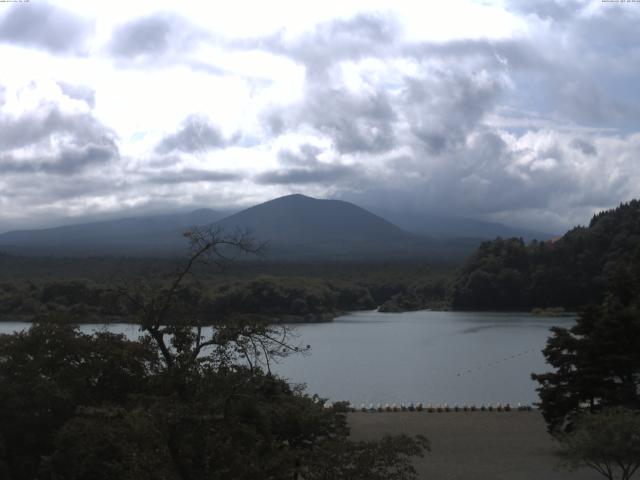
297	219
297	226
437	226
134	235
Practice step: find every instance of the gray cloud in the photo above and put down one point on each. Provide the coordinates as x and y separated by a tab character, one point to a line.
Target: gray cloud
41	25
190	175
304	167
36	127
584	146
306	156
586	102
443	108
50	141
68	161
159	39
143	36
355	123
440	104
79	92
513	54
548	9
299	176
365	35
435	121
194	135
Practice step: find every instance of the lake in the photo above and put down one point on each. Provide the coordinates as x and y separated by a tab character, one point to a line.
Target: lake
428	357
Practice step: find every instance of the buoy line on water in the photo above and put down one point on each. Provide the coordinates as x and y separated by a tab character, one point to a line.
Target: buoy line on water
497	362
429	408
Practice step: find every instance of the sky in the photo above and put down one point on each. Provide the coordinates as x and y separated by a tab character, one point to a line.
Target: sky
526	113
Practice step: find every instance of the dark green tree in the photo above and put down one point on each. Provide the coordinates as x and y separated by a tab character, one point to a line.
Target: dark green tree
597	361
607	441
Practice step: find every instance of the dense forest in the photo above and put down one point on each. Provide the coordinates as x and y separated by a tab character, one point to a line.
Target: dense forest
278	298
570	272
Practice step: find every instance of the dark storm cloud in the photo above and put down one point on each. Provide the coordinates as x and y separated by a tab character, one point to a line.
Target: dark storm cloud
191	175
68	161
41	25
194	135
79	92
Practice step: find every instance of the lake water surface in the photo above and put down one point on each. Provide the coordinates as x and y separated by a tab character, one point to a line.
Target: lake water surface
429	357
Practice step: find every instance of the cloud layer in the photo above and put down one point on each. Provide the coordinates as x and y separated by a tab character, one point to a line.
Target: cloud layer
533	119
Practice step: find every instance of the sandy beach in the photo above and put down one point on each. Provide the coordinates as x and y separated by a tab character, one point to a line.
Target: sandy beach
474	445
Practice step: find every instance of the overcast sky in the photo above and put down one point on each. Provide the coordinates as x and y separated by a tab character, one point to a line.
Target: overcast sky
525	112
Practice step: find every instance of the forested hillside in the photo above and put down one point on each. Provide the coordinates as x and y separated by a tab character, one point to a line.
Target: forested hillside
569	272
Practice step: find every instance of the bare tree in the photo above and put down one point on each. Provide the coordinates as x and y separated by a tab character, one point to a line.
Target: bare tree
171	313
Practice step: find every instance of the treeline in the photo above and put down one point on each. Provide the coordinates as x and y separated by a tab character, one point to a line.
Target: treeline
570	272
289	299
279	299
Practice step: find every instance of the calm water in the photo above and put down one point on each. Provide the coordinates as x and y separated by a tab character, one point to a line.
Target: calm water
429	357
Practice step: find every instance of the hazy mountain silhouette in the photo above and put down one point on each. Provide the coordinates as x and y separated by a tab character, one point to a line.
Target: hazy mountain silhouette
300	226
437	226
295	227
150	235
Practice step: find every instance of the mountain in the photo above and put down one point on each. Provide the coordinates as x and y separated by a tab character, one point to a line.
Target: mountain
295	227
126	236
438	226
299	222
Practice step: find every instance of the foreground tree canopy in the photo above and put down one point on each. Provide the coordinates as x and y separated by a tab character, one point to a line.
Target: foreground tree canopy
597	361
175	404
571	271
607	441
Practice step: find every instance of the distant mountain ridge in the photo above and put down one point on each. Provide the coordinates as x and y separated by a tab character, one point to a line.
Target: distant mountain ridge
137	235
438	226
295	226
